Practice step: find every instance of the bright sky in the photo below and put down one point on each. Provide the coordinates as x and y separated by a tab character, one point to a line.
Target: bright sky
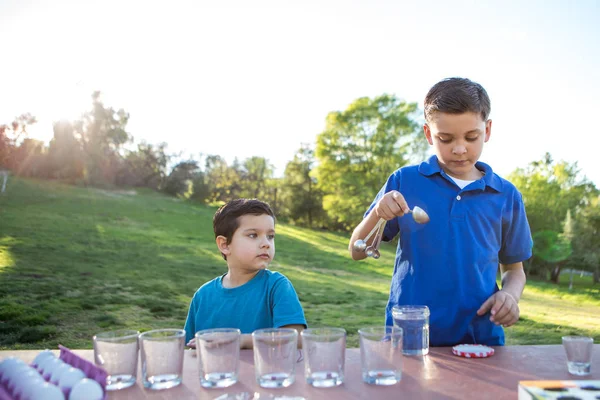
257	78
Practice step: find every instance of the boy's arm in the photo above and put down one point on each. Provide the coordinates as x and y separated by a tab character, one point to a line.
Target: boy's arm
390	206
246	339
504	303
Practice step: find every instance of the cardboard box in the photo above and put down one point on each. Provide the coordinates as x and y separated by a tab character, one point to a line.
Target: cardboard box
547	390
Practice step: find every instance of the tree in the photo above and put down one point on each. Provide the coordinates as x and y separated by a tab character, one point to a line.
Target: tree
11	136
255	172
302	200
179	181
550	189
146	166
359	148
102	132
65	153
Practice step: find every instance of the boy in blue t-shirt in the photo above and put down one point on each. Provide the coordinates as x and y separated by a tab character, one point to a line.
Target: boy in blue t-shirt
248	296
477	223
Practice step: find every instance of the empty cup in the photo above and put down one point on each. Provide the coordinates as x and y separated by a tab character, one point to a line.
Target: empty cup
218	353
117	353
162	358
275	356
325	352
381	354
579	354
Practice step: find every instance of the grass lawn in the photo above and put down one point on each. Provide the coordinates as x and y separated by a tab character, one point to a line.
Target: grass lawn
77	261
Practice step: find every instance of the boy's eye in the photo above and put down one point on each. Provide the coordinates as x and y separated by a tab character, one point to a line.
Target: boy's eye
271	237
252	235
444	140
472	139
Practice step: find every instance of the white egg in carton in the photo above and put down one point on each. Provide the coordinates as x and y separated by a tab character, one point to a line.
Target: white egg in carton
68	377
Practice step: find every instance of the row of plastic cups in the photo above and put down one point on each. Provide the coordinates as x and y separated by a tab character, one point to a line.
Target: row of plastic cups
161	353
276	355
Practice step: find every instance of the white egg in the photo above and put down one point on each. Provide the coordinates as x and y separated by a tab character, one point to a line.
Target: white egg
14	375
27	393
47	391
8	364
42	365
86	389
69	378
41	356
26	378
58	371
51	366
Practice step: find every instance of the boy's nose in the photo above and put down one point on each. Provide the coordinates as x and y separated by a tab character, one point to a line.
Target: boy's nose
460	149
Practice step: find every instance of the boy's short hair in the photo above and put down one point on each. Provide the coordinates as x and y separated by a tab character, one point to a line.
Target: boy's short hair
457	96
225	221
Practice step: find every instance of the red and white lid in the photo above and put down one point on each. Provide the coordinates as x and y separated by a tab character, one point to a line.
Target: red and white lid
472	350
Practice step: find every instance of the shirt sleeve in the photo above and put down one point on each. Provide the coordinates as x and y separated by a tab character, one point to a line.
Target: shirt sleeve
517	243
391	227
190	322
286	306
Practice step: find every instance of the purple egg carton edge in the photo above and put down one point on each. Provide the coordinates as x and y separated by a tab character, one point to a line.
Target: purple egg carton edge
91	370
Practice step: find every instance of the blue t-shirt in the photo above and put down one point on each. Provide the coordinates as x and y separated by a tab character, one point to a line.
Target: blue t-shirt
266	301
450	264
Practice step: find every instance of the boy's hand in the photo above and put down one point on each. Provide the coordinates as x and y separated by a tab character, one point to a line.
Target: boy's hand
504	308
192	343
391	205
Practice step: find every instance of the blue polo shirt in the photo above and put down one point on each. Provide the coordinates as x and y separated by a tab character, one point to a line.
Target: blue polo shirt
450	264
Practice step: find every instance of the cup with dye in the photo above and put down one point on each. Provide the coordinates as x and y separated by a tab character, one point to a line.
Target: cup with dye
162	358
414	322
275	351
579	354
325	352
117	353
381	356
218	354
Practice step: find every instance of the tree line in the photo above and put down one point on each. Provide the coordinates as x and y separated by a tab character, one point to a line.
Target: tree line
327	185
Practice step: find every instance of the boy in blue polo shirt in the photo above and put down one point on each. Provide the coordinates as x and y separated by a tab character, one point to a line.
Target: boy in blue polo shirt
477	222
248	296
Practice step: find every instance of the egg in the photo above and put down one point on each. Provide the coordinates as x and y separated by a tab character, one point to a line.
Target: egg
24	379
47	391
14	375
69	378
28	390
86	389
7	365
41	356
51	366
57	372
42	365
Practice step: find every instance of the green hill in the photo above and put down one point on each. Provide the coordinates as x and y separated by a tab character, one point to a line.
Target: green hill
77	261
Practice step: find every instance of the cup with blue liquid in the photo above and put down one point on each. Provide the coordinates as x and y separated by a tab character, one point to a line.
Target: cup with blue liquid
414	321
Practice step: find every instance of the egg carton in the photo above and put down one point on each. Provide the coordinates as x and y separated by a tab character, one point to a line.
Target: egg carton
91	371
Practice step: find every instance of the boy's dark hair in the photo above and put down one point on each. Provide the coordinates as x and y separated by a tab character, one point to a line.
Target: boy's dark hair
457	96
225	221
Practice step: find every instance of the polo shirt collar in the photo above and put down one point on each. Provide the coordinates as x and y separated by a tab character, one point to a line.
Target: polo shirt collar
432	167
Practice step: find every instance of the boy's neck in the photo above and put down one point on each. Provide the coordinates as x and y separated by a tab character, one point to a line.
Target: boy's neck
235	278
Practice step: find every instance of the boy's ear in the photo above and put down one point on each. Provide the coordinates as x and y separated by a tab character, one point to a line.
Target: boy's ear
222	244
488	130
427	132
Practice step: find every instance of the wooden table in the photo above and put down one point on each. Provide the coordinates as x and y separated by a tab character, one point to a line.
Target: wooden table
440	375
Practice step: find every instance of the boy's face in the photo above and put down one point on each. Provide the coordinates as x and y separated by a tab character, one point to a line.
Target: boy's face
252	246
458	142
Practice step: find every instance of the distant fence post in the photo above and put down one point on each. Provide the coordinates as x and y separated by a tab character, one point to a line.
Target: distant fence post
4	174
